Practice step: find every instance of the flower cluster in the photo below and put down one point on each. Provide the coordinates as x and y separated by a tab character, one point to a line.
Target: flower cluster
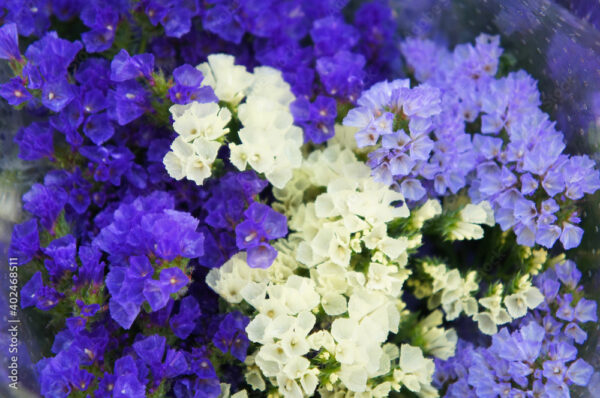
240	222
539	356
202	225
463	120
356	279
268	141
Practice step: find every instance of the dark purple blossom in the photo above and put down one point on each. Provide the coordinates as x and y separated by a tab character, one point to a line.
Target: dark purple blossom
45	202
25	241
14	91
184	322
9	42
35	141
125	67
51	56
62	253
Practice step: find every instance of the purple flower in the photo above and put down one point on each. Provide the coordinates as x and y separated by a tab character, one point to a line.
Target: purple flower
150	349
51	55
184	323
25	241
261	255
586	311
576	333
231	335
554	371
123	313
580	177
35	141
220	21
98	128
87	309
92	269
412	189
128	386
62	253
175	363
94	73
568	273
30	292
546	235
173	279
558	390
125	67
131	101
331	34
14	91
103	22
45	202
565	310
178	20
188	88
156	293
57	94
580	372
9	42
570	236
342	74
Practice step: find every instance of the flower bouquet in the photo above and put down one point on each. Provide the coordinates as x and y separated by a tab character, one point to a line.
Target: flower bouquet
285	199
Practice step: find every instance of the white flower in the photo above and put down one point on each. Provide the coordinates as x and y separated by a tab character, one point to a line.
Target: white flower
354	377
229	81
386	278
322	338
518	303
206	120
193	161
334	303
438	341
415	370
199	165
300	294
486	322
288	387
470	217
175	161
255	380
230	280
428	210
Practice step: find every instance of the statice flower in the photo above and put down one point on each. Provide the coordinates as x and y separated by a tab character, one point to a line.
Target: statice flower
515	149
240	222
9	42
102	19
538	357
146	236
267	141
345	223
416	146
14	91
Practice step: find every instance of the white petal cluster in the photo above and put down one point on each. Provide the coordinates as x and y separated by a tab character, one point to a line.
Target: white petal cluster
440	342
230	82
333	293
456	295
199	127
450	290
471	217
494	313
525	297
353	211
415	371
269	142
